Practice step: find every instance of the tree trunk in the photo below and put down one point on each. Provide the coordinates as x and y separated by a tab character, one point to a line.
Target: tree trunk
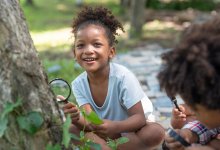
22	76
125	3
137	18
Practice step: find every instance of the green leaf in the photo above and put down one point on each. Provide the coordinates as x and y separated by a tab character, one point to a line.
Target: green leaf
3	125
9	107
75	137
66	133
121	140
93	118
30	122
55	147
112	144
82	134
93	145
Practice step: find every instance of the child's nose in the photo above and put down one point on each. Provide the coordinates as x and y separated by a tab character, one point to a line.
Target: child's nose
88	50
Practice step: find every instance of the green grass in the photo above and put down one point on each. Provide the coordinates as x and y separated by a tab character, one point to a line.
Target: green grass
55	14
49	15
67	71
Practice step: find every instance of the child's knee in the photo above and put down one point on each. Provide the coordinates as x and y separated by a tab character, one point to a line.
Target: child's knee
152	134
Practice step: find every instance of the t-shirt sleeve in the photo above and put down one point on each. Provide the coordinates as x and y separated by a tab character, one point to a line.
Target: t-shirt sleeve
204	134
79	94
131	90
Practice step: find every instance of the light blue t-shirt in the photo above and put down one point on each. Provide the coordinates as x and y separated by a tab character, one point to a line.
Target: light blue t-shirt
124	91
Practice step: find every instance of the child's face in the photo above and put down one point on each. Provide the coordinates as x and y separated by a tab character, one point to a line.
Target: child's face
92	50
210	118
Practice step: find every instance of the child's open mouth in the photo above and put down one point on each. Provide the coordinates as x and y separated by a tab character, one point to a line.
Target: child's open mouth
89	59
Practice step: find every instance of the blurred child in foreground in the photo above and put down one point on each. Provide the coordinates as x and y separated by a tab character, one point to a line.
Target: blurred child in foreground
192	70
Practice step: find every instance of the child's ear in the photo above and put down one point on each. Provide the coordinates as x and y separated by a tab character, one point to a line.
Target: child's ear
112	52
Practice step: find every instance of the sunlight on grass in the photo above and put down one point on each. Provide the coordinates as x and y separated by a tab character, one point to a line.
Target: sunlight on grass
66	71
154	29
45	40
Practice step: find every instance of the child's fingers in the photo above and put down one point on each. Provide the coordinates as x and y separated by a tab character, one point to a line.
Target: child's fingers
175	145
182	108
74	117
176	112
181	116
171	142
69	105
71	110
60	97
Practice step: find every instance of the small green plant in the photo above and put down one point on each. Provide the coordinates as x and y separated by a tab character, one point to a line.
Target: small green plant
86	144
8	108
30	122
113	144
67	136
92	117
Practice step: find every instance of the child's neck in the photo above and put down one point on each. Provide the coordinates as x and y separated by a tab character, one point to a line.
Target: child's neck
99	77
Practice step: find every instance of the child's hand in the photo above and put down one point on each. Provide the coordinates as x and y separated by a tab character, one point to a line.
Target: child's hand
188	135
70	108
178	119
179	116
106	130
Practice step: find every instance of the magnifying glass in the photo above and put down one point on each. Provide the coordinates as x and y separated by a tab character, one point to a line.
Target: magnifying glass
174	100
61	89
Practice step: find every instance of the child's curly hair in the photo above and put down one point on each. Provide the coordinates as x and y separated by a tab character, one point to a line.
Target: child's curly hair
192	69
99	16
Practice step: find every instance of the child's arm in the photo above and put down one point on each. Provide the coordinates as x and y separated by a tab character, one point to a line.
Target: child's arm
113	128
135	121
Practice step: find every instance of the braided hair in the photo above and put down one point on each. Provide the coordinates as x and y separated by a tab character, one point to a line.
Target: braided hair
98	16
192	68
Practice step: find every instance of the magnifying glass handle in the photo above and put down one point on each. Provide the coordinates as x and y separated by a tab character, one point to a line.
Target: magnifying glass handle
175	103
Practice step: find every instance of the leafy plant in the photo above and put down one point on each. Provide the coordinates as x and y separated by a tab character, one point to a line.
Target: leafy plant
31	122
113	144
67	136
92	117
55	147
86	144
66	133
9	107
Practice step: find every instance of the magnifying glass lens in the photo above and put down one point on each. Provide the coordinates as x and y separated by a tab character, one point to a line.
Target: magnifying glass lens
61	89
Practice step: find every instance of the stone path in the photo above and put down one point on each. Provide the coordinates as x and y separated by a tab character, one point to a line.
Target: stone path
145	63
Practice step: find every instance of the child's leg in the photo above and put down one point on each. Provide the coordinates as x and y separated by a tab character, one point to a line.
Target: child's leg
148	137
152	134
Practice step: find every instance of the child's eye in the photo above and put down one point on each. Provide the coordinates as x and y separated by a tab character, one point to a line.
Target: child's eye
79	46
97	45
